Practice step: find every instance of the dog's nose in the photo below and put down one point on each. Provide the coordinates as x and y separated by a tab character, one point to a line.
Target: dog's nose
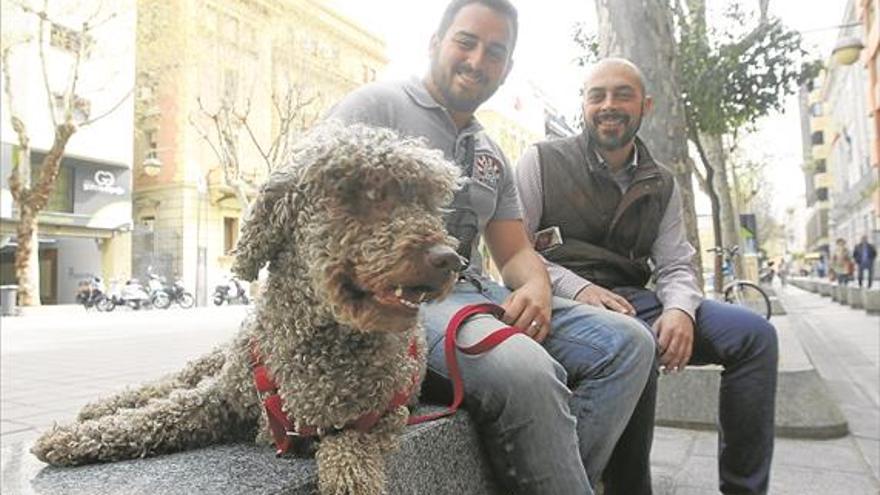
445	258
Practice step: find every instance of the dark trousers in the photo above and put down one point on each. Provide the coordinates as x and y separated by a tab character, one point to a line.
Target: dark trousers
869	269
745	344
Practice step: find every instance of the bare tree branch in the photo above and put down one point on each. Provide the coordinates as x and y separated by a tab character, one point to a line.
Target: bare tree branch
43	16
110	110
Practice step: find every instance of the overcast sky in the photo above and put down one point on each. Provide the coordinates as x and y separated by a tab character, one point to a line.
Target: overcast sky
545	52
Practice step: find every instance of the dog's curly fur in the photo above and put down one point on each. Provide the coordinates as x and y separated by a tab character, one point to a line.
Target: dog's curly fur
350	227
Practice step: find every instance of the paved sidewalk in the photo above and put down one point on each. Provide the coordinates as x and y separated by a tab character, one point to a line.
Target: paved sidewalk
51	365
844	346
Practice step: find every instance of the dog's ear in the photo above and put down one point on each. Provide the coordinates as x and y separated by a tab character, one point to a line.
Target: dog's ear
266	229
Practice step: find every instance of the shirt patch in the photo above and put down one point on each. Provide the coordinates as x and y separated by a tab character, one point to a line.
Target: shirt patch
487	169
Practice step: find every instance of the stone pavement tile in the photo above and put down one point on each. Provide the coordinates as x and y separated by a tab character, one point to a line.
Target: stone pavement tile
7	427
672	446
871	451
699	475
25	436
47	418
809	481
864	422
839	454
13	411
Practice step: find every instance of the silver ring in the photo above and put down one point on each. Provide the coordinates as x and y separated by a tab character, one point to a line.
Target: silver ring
535	324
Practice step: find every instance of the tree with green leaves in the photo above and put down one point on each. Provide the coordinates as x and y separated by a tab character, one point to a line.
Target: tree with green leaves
733	79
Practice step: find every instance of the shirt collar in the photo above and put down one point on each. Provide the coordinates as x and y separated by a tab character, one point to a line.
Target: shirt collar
630	167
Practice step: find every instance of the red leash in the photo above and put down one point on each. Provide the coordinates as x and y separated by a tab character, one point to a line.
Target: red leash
485	345
282	428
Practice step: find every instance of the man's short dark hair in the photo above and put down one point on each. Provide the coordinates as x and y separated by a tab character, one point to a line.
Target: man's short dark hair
501	6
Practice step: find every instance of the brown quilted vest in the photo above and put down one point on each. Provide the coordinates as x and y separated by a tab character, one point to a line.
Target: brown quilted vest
607	236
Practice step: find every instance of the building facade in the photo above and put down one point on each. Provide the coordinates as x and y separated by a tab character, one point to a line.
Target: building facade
814	124
867	15
247	57
850	140
85	229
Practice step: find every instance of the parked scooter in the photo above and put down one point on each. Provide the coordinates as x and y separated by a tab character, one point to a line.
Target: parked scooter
230	291
133	294
90	293
159	296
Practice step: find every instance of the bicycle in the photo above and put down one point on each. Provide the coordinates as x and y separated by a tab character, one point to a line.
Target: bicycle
741	292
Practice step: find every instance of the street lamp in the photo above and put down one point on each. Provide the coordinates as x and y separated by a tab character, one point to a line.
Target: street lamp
151	164
846	51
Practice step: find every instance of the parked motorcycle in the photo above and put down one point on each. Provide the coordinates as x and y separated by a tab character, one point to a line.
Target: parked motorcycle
90	293
230	291
156	287
133	294
176	293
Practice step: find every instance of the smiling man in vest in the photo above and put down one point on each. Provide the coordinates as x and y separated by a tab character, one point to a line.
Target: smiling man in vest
619	214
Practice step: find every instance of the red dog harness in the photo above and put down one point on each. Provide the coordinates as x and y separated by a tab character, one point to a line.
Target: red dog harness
282	427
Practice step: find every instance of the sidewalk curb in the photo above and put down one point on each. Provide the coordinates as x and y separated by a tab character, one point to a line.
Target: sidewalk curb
805	407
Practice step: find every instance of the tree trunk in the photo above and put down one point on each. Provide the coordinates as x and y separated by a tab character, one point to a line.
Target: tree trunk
641	31
711	191
31	201
729	214
27	266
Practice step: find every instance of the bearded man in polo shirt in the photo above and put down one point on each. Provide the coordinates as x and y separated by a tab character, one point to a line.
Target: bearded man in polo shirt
550	402
619	214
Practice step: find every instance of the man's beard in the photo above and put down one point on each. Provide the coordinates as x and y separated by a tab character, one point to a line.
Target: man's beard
455	102
611	143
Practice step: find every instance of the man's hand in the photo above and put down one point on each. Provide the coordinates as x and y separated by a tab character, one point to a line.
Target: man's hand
675	339
528	308
595	295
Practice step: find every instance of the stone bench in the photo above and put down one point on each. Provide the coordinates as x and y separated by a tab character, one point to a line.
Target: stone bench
804	405
871	300
443	456
824	287
854	297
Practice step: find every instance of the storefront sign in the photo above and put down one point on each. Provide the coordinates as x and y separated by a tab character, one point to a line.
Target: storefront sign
104	182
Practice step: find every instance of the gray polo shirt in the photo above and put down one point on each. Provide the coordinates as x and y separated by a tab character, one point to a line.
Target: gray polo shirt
408	108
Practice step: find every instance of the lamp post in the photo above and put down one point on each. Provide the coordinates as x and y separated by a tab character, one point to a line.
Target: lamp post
151	164
846	51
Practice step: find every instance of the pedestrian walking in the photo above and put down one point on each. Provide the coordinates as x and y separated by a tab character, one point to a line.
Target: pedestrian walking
841	263
864	255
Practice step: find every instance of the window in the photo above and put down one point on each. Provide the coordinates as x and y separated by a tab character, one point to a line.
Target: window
821	166
817	138
149	223
816	109
230	234
822	194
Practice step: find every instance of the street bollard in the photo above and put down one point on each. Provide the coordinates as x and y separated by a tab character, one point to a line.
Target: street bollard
8	294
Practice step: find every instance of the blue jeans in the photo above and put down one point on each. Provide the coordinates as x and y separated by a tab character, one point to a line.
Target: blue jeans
745	344
549	414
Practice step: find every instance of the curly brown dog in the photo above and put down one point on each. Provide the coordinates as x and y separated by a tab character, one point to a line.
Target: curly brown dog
353	234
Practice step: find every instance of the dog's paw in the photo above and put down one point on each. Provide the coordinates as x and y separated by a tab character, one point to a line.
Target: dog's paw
62	446
350	464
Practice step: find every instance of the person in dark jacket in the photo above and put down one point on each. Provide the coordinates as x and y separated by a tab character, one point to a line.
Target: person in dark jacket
864	255
619	214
